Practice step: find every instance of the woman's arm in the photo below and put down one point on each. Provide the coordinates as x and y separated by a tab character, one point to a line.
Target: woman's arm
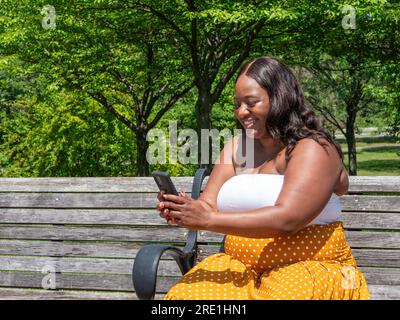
310	177
342	186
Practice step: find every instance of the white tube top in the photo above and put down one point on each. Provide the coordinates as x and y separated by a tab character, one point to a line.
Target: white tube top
252	191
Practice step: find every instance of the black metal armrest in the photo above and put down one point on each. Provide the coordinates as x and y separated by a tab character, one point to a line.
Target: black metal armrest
145	267
144	275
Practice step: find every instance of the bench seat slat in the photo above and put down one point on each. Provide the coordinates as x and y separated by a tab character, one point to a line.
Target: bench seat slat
90	184
371	220
149	200
364	257
78	200
160	234
80	265
40	294
79	281
370	203
69	249
384	292
150	217
147	184
124	267
378	292
374	276
356	239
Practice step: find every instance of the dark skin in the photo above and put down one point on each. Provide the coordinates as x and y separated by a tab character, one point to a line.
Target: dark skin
312	174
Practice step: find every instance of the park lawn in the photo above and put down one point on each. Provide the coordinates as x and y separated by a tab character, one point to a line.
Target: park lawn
383	162
380	162
372	141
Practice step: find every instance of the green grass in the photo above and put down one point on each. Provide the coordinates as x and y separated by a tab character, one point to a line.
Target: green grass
371	141
383	162
368	141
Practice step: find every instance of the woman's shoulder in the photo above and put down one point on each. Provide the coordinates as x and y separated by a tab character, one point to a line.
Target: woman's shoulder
316	147
308	148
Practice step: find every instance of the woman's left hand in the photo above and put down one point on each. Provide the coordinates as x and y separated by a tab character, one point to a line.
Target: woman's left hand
188	212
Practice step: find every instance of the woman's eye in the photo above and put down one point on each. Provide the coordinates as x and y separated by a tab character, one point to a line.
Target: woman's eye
248	105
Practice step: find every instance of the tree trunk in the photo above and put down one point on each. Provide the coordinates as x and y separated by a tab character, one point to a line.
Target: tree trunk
142	166
203	121
352	154
351	140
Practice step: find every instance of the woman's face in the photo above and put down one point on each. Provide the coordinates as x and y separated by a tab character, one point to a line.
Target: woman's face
251	106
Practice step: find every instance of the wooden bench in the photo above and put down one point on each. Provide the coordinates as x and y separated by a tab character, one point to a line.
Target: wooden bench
76	238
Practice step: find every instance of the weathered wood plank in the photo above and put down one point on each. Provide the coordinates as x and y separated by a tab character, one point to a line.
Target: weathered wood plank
377	258
78	281
149	200
376	240
381	276
374	184
78	200
147	184
161	234
374	276
364	257
356	239
69	249
130	217
379	292
124	267
90	184
35	294
370	203
80	265
371	220
150	217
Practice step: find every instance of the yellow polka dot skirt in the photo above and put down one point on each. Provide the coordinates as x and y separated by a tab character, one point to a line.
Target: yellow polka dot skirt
315	263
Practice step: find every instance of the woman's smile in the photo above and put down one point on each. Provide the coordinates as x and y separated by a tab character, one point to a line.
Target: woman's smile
249	123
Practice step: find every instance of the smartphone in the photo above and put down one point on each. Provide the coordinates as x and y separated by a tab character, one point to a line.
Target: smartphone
164	182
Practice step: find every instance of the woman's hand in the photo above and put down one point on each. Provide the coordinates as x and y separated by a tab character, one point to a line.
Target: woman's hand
187	212
164	213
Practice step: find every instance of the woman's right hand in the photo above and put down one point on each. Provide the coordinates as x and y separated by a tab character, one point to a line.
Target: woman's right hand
164	212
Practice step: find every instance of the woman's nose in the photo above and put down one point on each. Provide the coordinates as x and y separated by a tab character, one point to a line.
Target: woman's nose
242	111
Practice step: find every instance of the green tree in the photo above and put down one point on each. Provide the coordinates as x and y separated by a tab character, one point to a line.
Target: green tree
345	68
215	38
120	59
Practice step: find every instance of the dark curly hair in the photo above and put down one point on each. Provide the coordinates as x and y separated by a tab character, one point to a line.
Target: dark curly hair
289	119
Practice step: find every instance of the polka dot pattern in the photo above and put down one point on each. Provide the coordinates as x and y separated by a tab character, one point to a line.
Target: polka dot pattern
315	263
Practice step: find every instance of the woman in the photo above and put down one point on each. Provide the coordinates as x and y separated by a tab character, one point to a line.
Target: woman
284	237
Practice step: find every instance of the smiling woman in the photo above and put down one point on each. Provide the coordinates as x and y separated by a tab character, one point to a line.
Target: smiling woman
282	216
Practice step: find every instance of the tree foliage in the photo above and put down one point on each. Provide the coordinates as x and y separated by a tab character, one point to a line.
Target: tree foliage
79	93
